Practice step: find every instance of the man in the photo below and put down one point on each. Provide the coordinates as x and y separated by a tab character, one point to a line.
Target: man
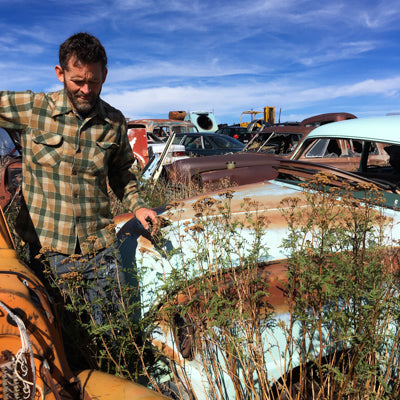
73	144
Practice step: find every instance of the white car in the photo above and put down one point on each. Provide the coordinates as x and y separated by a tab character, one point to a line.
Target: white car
188	230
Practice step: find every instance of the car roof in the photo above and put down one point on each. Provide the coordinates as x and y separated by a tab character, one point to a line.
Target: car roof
200	134
287	129
322	119
380	129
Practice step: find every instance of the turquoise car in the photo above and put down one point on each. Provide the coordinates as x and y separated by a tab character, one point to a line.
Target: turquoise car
198	224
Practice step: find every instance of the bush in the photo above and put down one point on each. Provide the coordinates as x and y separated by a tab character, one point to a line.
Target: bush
211	293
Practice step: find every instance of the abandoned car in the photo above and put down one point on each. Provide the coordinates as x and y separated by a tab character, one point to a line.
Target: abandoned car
254	163
213	254
33	364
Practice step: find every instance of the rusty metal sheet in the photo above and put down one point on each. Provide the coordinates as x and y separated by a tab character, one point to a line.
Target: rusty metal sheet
239	168
138	140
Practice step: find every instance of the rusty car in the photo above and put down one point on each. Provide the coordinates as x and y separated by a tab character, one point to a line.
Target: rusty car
184	228
33	363
254	163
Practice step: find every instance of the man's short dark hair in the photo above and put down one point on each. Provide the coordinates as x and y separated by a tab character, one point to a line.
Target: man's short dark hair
85	47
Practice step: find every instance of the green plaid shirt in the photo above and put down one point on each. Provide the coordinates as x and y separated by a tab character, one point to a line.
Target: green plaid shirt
67	163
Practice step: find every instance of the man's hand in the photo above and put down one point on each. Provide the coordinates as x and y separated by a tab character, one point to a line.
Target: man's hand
145	215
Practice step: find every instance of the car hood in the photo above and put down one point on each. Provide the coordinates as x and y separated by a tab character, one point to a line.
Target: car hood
179	241
246	202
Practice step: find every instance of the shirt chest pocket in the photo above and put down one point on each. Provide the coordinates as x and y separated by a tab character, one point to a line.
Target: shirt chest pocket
47	148
101	154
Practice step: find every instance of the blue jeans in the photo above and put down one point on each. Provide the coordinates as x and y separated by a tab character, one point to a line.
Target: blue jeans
99	278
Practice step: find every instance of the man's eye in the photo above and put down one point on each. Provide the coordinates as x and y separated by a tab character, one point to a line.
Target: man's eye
81	83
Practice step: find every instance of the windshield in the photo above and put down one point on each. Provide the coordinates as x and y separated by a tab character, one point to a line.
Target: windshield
277	143
351	161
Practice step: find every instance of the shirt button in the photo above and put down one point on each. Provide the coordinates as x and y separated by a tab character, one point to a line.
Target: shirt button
75	195
74	172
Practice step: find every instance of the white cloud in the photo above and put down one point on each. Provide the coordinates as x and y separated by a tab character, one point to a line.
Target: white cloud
228	102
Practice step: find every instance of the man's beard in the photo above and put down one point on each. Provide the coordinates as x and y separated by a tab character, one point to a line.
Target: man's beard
82	105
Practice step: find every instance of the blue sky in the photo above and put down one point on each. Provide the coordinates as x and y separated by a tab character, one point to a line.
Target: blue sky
227	56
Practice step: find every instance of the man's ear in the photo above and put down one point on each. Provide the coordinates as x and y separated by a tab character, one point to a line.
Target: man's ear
104	75
59	73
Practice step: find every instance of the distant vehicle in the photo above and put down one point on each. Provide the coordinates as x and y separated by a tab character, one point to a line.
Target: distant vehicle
237	132
207	144
258	118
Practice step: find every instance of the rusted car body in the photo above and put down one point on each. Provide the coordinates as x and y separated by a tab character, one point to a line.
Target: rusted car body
341	153
32	359
244	167
268	196
229	169
253	164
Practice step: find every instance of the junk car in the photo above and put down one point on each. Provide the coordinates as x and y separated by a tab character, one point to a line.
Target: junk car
186	229
246	167
33	364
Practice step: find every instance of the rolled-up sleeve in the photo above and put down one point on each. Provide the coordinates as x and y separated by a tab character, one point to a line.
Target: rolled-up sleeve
15	109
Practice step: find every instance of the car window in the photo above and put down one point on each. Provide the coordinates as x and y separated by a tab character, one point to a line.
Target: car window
338	148
184	129
193	142
207	144
275	143
318	149
223	142
378	162
179	139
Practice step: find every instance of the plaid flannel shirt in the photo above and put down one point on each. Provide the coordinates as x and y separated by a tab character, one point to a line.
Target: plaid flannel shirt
67	163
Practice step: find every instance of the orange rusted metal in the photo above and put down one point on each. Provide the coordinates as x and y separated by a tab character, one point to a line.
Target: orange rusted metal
138	141
32	359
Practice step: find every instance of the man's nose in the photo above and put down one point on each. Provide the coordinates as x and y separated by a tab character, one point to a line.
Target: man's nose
85	88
